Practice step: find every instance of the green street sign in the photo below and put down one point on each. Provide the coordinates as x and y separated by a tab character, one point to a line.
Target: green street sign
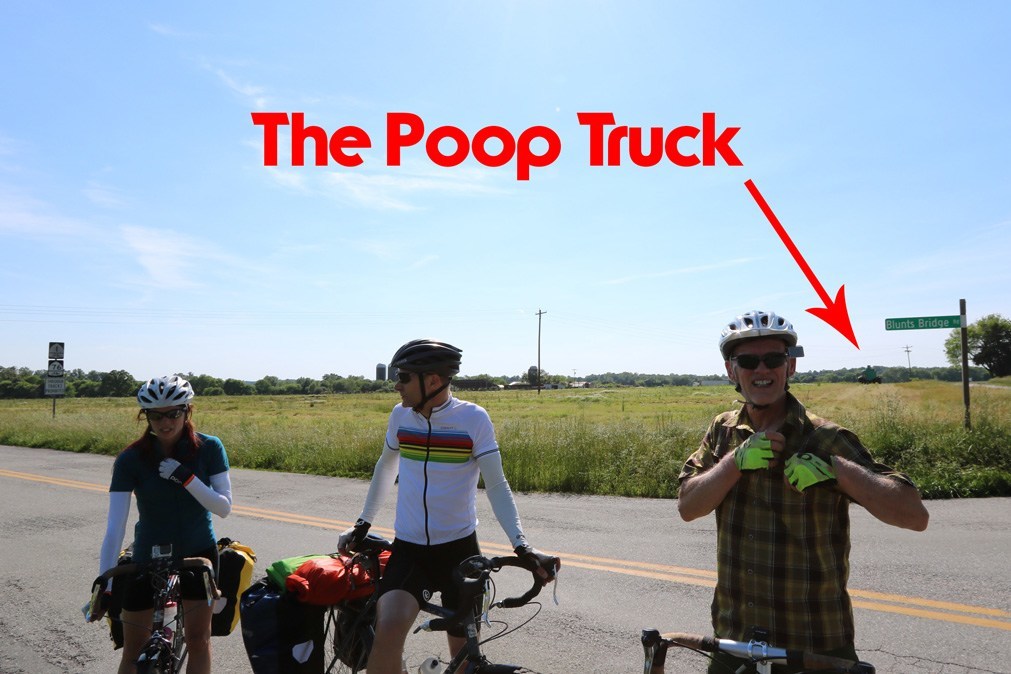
923	323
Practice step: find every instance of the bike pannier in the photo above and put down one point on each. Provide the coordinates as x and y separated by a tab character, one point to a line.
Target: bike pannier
235	574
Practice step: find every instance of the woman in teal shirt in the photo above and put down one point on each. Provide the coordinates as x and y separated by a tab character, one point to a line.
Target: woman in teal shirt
180	478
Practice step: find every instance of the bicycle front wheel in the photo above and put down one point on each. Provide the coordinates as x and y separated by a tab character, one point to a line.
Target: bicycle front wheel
156	659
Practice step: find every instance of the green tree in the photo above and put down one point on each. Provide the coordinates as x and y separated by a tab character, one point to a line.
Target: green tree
201	382
118	384
237	387
989	345
268	385
85	388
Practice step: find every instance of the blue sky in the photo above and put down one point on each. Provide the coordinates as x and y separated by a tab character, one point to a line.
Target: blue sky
139	225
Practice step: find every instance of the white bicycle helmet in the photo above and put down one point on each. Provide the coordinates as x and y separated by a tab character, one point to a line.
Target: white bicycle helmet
164	392
754	324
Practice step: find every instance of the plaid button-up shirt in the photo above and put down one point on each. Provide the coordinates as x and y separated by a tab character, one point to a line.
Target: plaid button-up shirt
782	556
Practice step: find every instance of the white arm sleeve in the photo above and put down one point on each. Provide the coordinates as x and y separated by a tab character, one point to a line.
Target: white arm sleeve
217	498
115	529
501	497
383	477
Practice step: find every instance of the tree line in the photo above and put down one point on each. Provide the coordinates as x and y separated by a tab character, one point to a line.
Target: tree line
989	348
22	382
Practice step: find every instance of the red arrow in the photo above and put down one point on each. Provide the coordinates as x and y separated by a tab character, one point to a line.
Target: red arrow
833	313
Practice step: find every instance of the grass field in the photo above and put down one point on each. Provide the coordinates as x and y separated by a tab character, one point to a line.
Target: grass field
628	442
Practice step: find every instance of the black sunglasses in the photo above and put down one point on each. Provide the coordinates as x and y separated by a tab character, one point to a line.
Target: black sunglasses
750	361
404	377
152	415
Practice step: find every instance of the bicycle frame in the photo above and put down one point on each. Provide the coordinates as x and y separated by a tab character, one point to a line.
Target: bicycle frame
165	650
758	652
473	577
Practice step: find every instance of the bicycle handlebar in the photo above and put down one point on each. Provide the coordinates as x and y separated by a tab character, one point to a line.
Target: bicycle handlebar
134	567
755	651
470	576
472	572
202	563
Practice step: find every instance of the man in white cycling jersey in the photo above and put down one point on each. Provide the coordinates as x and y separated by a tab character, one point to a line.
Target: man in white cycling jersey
439	446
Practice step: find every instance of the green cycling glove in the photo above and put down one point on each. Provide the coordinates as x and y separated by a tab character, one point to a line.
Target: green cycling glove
806	470
755	453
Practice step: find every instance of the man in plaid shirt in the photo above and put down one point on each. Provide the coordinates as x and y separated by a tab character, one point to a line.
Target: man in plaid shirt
781	480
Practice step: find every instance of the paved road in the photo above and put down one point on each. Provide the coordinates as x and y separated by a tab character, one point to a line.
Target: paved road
937	602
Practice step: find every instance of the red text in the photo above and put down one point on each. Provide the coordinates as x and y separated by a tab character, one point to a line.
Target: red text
658	145
397	138
343	139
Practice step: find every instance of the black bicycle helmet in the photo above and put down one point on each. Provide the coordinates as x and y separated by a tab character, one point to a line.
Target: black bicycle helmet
427	355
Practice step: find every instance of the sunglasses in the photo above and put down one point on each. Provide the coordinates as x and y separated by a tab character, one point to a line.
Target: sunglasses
750	361
404	377
152	415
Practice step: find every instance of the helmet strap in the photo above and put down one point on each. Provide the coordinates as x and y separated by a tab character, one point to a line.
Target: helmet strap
425	396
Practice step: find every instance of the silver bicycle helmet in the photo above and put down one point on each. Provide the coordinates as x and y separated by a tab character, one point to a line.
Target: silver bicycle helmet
754	324
164	392
427	355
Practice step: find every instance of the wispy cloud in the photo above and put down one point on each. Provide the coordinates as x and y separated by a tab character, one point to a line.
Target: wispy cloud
167	257
400	188
33	219
385	250
255	94
423	262
696	269
103	195
171	259
170	31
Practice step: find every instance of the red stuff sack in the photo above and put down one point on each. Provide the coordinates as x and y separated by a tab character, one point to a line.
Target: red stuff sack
324	581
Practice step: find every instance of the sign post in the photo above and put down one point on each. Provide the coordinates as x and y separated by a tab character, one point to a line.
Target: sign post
56	385
943	322
965	362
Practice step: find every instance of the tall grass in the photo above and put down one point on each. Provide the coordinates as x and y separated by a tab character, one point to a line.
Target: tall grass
629	442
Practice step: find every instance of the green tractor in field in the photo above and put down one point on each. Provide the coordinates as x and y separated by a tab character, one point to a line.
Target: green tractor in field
869	376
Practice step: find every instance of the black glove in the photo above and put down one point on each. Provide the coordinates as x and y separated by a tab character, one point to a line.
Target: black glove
538	559
353	537
170	469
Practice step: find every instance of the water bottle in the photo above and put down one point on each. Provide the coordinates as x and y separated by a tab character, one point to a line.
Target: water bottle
429	666
168	622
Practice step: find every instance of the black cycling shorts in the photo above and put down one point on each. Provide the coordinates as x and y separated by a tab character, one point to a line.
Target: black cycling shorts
138	595
423	570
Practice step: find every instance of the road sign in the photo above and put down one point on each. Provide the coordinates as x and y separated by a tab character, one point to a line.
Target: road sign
923	323
55	385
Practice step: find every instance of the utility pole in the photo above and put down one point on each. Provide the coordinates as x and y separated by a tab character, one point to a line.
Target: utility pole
908	363
539	314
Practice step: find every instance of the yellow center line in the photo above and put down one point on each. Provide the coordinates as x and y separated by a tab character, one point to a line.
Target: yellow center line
53	480
866	599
